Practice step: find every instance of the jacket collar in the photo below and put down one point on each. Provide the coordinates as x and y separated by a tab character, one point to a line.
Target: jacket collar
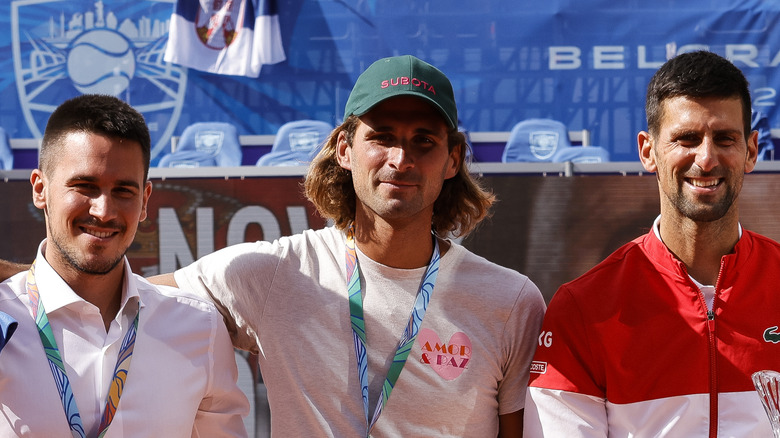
730	263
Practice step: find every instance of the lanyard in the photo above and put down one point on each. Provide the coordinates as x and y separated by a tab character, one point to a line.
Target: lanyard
359	328
58	370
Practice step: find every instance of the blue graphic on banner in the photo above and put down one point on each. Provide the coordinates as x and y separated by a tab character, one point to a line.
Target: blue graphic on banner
585	63
63	49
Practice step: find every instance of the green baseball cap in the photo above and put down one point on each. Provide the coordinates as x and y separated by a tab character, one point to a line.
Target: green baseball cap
402	76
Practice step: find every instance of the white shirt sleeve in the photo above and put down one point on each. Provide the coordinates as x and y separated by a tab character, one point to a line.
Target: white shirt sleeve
222	410
237	280
555	413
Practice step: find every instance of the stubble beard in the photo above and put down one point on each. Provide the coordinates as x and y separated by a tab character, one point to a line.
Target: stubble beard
700	212
70	255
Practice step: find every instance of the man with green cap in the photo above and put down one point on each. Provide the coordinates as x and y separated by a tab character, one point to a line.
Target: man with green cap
380	324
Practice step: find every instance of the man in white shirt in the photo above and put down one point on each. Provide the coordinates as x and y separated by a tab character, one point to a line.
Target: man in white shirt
381	324
99	351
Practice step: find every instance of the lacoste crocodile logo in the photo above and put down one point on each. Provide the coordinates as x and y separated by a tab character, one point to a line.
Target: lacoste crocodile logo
772	335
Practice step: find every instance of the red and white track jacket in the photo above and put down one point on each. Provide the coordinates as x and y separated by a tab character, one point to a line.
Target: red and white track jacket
630	350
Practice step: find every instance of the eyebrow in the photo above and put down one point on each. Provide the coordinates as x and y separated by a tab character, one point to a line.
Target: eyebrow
729	131
92	179
693	132
420	130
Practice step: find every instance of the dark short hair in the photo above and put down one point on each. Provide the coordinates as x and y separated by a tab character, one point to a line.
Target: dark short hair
699	74
97	114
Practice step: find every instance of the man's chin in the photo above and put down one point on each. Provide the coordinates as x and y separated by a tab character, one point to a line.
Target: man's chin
706	214
702	211
97	265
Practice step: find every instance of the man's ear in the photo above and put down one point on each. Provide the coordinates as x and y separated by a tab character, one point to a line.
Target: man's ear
646	154
457	155
39	192
752	152
343	151
145	196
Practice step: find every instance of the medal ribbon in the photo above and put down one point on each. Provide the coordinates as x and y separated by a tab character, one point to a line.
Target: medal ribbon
58	370
359	328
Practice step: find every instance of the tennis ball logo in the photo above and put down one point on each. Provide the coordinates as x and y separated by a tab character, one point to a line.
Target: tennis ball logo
101	61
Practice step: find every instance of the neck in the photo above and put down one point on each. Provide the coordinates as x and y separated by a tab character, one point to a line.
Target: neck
700	245
103	291
397	245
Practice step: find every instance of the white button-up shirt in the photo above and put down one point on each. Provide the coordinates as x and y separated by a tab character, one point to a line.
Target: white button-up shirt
182	377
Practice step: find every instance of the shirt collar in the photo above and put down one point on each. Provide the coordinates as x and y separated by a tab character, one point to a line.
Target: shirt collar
657	228
658	251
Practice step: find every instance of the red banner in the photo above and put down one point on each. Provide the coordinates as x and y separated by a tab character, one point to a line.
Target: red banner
549	228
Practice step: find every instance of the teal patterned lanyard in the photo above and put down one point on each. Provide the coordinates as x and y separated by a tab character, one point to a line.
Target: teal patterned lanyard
58	369
359	325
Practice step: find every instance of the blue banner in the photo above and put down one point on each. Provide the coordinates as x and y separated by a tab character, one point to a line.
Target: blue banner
585	63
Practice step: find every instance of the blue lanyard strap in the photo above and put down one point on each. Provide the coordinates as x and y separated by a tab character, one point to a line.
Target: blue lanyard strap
58	369
359	328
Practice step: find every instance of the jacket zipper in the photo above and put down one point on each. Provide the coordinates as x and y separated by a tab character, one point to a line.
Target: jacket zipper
713	352
713	347
713	374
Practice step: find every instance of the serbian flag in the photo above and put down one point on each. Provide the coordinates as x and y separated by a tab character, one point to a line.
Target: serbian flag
230	37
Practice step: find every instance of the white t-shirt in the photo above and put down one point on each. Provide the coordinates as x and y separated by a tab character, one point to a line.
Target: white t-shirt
288	300
182	376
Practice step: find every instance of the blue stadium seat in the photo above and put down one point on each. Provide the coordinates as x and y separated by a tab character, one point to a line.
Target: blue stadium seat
296	143
188	159
206	144
535	140
6	154
581	154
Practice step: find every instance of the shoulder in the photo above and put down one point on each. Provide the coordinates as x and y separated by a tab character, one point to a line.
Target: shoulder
309	245
325	238
330	239
171	298
13	286
601	290
614	264
11	291
461	257
464	262
755	254
249	258
473	272
762	242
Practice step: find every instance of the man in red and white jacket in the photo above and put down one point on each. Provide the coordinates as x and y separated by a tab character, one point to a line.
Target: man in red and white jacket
662	337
